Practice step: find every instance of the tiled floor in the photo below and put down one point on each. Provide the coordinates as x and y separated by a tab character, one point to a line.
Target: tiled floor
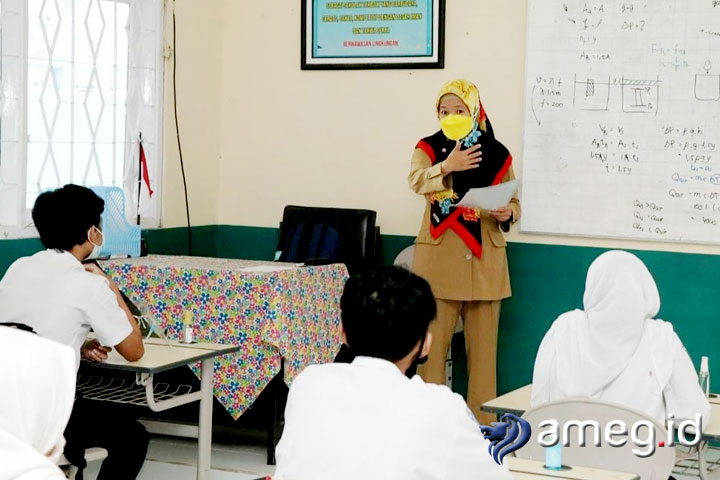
233	458
680	473
171	458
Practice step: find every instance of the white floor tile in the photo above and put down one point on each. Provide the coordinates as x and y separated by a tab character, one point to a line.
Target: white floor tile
176	459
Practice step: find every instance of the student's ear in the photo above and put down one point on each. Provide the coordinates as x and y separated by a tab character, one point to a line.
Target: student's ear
343	336
426	345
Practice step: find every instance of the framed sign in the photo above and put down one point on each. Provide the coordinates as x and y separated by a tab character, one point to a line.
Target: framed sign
372	34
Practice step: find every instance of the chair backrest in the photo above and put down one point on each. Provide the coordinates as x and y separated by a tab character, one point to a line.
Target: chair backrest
623	459
119	237
405	257
341	235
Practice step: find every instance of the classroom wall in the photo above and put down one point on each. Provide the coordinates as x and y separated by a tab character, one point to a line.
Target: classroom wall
198	90
344	138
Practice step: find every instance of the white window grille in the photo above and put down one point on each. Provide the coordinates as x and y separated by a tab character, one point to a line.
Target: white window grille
80	80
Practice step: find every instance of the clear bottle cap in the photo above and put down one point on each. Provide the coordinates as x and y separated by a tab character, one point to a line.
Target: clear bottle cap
704	367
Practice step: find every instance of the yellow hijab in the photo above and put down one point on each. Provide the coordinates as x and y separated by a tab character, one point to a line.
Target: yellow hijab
468	93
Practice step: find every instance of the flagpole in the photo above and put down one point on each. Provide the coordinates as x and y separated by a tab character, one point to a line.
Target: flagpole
139	176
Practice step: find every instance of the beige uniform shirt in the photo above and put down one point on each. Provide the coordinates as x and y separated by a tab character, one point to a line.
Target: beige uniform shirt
452	270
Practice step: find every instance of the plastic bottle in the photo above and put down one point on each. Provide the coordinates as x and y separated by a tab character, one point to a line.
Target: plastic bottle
188	330
704	376
553	456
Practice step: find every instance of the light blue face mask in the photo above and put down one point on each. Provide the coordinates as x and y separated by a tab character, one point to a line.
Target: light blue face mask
96	248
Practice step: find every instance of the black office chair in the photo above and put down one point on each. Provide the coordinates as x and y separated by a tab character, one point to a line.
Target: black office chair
321	235
317	235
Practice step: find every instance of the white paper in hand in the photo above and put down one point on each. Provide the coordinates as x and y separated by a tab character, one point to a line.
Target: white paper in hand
489	198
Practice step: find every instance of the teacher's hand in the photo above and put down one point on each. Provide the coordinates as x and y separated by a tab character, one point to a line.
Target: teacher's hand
460	160
502	214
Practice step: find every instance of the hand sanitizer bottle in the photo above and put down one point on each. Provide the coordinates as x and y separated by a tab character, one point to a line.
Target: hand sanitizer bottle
704	376
188	330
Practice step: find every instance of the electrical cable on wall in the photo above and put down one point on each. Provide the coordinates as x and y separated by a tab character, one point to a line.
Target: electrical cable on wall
177	132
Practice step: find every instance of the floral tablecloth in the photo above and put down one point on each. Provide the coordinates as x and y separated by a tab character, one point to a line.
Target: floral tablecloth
273	311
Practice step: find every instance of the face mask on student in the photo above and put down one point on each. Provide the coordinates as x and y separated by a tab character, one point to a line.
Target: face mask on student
96	248
418	360
456	127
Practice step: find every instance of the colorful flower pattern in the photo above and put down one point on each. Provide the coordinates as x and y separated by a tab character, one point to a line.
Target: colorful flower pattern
291	314
471	214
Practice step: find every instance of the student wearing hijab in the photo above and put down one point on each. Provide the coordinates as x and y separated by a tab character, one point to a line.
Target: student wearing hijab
38	383
615	350
461	251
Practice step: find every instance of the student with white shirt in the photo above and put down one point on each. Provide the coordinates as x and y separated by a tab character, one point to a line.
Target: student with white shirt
615	350
62	299
366	419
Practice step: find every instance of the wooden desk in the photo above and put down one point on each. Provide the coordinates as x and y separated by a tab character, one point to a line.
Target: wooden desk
515	402
283	316
523	469
159	357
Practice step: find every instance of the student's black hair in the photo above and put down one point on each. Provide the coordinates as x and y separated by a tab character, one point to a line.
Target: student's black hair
64	216
386	311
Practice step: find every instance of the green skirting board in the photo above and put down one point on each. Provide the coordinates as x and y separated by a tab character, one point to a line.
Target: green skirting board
547	280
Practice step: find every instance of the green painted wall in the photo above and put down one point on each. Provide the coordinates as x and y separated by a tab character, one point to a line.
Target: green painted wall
546	279
10	250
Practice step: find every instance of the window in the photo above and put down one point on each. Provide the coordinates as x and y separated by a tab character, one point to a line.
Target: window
80	82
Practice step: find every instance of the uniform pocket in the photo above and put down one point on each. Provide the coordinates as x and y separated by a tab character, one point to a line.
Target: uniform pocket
497	238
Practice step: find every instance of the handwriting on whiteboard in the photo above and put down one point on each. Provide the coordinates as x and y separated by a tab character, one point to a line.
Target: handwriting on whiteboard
622	119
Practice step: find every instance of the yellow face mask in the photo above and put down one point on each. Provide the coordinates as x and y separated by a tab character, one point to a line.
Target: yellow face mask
456	127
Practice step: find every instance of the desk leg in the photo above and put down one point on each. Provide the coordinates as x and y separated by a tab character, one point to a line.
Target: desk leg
702	461
205	421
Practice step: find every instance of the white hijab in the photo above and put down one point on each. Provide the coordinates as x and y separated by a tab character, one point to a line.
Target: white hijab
37	379
585	350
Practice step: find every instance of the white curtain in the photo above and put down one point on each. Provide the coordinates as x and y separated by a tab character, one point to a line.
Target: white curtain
81	79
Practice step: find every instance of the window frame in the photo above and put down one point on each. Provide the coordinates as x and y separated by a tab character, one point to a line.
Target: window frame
154	220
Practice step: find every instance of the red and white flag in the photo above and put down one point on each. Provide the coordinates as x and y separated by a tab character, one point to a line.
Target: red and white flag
145	171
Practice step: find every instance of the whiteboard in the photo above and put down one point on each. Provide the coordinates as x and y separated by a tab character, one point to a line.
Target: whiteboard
622	119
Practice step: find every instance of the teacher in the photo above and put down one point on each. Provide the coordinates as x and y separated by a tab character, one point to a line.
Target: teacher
461	251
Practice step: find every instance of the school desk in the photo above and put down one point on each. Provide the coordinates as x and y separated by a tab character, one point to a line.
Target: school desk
524	469
160	357
279	314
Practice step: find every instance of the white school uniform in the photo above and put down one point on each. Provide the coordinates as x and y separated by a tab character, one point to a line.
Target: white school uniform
366	420
614	350
52	293
38	385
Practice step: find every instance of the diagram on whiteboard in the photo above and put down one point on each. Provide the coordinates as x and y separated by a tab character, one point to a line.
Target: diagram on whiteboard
707	85
592	93
640	96
622	120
